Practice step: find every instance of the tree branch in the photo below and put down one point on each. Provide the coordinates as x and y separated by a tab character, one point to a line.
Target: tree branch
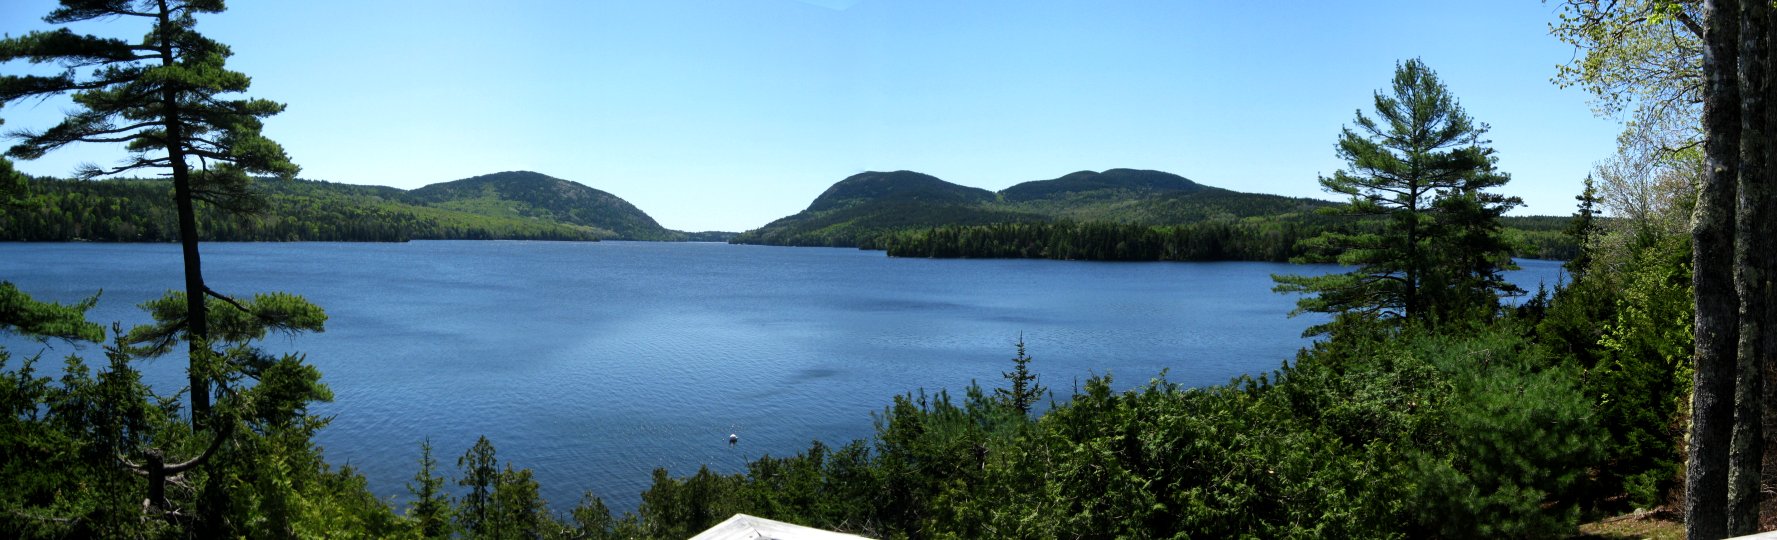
1689	23
219	296
227	431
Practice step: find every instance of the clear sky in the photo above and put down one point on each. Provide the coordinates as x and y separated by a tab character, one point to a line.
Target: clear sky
727	114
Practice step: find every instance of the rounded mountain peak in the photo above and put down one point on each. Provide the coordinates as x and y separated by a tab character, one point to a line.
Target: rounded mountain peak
897	186
1130	180
537	195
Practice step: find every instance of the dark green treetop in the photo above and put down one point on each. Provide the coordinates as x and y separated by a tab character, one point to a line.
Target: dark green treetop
1420	164
1025	390
1583	227
163	97
430	508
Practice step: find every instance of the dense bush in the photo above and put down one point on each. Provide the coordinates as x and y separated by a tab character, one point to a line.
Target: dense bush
1483	436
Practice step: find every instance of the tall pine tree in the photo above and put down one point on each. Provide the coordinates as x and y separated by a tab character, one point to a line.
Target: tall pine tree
1421	165
171	101
1583	228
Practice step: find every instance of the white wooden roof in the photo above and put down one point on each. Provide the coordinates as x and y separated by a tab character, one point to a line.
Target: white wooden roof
745	527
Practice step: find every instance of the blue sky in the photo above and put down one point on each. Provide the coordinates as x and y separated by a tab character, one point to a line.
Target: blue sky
726	114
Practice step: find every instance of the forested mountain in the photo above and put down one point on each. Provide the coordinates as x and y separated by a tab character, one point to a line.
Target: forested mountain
526	194
864	208
1118	214
1101	183
509	205
896	187
873	203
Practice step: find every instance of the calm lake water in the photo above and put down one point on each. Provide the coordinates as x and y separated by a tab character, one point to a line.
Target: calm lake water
594	363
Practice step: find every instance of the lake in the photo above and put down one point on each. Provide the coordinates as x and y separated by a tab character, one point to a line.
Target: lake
594	363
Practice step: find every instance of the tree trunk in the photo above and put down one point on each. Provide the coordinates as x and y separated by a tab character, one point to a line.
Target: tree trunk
1756	266
197	328
1717	306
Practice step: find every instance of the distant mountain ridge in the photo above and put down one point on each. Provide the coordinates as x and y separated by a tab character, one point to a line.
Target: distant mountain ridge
536	195
869	204
897	186
515	205
1113	180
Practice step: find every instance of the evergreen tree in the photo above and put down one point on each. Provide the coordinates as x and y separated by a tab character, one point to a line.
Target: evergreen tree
518	510
481	474
1469	253
21	314
1583	227
168	99
1025	390
1419	164
14	187
592	520
430	508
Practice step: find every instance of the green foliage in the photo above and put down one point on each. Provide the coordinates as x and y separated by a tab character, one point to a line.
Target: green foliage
518	510
1248	239
1271	238
1643	57
293	210
74	446
1625	319
1113	182
1419	164
591	520
1516	440
481	474
505	206
14	186
82	451
58	434
681	508
1023	391
500	503
878	210
1370	435
430	508
165	94
1643	374
257	475
854	224
523	194
21	314
1583	227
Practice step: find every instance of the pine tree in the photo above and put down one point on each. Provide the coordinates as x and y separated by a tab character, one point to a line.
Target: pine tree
1583	227
481	474
168	99
430	508
1025	391
1421	166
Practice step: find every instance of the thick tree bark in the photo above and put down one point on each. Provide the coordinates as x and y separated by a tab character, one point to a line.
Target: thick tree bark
197	328
1755	268
1717	305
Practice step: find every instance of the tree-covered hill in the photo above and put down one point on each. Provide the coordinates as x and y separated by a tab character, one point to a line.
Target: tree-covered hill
503	206
525	194
1118	214
896	187
871	204
1112	182
867	208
